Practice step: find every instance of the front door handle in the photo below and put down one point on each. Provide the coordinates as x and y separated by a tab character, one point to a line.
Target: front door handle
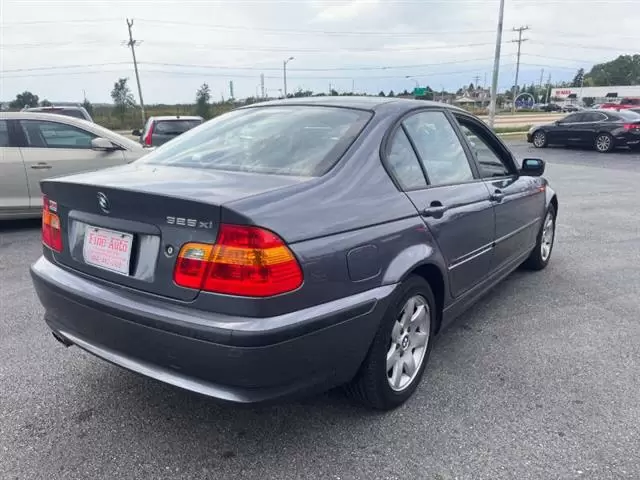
497	196
435	210
41	166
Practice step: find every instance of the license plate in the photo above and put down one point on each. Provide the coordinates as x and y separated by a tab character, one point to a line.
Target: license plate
107	249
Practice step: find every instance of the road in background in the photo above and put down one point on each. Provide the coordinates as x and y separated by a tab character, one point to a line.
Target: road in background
538	381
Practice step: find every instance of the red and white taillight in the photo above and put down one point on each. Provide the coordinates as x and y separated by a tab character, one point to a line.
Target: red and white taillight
51	229
148	138
245	261
635	127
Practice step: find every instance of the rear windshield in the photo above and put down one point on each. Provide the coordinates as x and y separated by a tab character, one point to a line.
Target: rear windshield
628	116
286	140
175	126
69	112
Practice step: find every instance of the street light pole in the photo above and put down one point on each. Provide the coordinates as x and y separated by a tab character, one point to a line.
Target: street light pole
496	67
284	74
416	81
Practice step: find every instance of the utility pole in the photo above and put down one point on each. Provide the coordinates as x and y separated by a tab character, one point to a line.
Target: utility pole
519	42
496	67
540	86
284	74
477	81
549	89
262	84
132	43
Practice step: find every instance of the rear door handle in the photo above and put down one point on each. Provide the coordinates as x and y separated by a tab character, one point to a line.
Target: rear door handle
497	196
435	210
41	166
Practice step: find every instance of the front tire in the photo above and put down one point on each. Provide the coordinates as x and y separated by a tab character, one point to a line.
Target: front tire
395	364
539	139
541	254
604	143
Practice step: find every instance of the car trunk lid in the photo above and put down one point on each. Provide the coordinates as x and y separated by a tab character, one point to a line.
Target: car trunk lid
125	225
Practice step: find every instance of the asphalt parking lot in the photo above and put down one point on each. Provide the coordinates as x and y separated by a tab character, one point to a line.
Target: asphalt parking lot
540	380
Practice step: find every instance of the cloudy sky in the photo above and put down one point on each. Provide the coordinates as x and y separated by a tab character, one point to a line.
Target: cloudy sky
58	48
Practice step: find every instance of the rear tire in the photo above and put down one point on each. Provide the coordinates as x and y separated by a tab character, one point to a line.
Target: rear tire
395	364
604	143
539	139
541	254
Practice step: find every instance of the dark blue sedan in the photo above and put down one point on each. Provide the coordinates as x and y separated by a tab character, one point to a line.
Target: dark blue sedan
290	247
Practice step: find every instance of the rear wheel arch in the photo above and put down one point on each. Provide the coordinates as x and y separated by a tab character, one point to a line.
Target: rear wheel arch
554	202
434	277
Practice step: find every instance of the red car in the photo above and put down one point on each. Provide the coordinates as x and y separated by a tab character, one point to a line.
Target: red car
624	104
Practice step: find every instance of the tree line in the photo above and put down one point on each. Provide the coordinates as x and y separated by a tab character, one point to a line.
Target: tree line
624	70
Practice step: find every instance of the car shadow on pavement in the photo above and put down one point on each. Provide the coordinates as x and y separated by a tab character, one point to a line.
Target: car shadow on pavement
10	226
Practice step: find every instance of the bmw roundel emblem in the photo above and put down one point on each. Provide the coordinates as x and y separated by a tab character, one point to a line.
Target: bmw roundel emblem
103	202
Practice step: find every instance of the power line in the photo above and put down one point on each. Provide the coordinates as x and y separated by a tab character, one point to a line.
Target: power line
234	67
272	77
58	22
312	32
64	67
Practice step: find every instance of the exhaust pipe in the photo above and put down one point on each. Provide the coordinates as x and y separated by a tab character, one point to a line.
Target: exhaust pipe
61	339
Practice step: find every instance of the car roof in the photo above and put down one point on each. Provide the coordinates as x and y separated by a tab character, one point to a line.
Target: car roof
54	107
358	102
176	117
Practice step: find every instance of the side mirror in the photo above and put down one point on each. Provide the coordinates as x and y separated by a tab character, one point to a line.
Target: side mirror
136	133
532	167
102	144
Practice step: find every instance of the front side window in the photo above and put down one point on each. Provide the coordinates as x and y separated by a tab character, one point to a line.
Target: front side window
490	163
573	118
43	134
439	148
283	140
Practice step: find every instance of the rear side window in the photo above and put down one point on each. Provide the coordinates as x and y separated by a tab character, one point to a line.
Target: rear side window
72	113
287	140
175	127
403	163
628	116
439	148
41	134
4	133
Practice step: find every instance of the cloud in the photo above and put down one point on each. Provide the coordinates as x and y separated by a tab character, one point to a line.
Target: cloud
373	45
344	10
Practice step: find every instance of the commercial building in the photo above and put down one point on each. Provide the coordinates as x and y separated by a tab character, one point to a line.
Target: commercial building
599	94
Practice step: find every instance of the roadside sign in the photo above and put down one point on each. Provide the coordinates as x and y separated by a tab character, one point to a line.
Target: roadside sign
420	91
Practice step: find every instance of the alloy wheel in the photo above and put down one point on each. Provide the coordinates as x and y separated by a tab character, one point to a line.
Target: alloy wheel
603	143
539	139
548	233
408	343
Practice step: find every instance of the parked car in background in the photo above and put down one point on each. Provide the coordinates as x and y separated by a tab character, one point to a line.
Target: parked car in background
551	107
159	130
569	108
623	104
292	246
36	145
76	112
603	130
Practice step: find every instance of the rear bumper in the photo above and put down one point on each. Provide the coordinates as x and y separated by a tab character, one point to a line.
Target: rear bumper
241	360
627	139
